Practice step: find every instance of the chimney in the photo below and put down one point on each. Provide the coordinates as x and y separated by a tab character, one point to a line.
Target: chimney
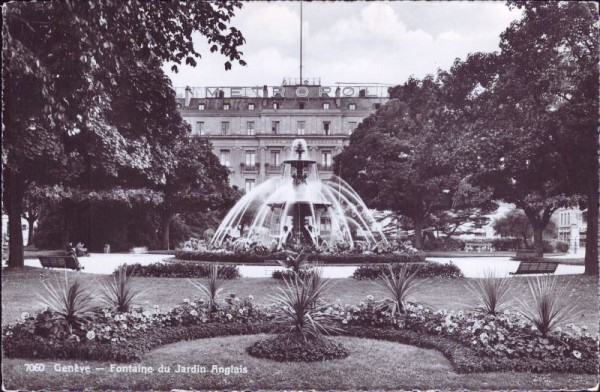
265	91
188	96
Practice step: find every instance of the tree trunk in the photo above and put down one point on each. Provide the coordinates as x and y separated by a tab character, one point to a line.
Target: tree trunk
538	240
164	230
418	222
591	241
14	192
30	222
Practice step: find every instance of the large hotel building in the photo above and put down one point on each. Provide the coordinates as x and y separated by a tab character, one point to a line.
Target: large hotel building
252	128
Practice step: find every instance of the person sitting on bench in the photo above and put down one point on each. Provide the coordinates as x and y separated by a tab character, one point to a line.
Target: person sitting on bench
71	251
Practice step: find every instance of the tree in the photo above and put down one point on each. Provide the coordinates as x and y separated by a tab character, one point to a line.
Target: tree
197	182
516	224
68	65
398	158
533	139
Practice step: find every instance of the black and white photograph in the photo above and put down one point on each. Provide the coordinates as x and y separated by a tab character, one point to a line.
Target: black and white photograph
300	195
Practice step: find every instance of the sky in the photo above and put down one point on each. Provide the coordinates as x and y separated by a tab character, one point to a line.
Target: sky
360	42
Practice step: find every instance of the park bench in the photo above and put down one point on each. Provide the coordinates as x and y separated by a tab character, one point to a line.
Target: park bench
478	247
60	262
535	267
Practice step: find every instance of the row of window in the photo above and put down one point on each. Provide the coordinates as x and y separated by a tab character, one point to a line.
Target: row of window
277	105
274	155
275	127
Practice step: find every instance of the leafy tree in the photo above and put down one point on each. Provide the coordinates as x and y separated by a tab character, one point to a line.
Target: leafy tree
85	101
533	136
516	224
197	182
398	158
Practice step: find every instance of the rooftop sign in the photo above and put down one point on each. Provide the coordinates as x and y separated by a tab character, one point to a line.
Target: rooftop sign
344	91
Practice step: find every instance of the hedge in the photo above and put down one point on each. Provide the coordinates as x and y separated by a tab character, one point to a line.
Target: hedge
179	270
255	258
423	270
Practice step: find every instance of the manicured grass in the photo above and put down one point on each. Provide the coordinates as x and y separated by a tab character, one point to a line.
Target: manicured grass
371	365
19	287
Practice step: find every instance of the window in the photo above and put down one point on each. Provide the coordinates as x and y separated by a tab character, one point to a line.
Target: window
250	128
325	225
249	185
225	158
251	106
250	158
352	126
352	106
226	106
301	127
276	105
275	155
326	105
224	127
326	127
326	159
201	106
300	105
274	127
199	128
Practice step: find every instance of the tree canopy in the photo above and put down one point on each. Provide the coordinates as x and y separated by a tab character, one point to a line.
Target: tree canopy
86	102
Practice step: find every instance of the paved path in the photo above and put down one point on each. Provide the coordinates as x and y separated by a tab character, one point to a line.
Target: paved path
471	267
106	263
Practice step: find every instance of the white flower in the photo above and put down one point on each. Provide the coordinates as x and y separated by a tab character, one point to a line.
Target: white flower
186	300
24	315
250	297
193	313
229	317
370	298
147	314
344	321
576	354
193	304
90	335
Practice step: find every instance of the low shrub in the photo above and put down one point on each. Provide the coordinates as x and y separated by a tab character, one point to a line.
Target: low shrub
284	349
453	244
180	270
289	274
325	258
421	270
506	244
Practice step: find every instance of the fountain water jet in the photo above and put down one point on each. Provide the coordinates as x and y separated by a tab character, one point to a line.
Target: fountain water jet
300	209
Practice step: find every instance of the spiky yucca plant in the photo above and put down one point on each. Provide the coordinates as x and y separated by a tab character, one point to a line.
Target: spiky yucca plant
399	286
492	292
213	289
119	294
72	303
299	312
545	312
295	262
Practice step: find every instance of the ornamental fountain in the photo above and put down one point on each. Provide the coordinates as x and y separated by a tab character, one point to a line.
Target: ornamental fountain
300	209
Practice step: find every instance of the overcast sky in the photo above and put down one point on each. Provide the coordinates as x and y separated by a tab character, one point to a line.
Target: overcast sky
361	42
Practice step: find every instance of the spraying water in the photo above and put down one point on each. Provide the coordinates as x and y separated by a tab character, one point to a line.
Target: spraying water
298	208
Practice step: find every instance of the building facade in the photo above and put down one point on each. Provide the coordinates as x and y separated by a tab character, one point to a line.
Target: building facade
571	225
252	128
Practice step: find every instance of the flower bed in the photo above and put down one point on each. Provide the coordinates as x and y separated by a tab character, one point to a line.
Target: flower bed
179	270
502	342
326	258
473	342
423	270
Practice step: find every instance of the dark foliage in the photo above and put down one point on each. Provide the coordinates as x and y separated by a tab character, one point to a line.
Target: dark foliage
258	258
180	270
423	270
295	350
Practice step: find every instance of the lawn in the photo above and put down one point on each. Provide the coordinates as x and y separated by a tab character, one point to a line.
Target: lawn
371	364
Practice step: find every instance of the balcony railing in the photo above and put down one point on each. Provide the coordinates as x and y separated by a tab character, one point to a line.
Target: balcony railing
272	169
325	167
250	168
